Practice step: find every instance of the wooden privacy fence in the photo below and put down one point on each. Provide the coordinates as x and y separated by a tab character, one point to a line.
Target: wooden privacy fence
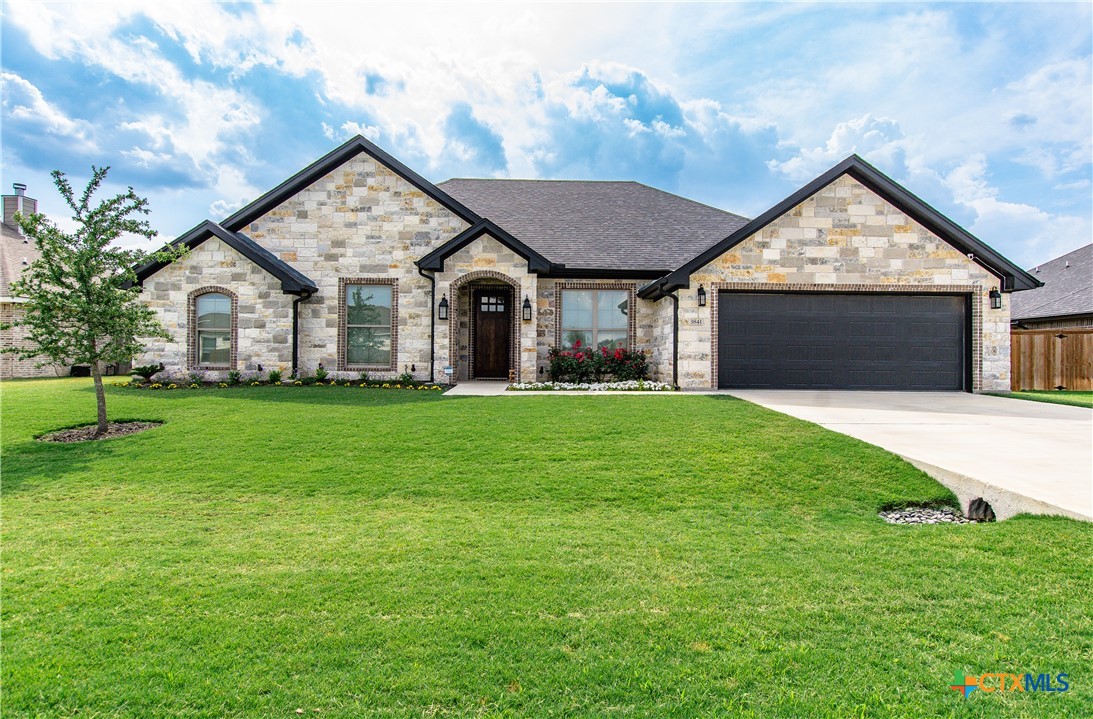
1051	359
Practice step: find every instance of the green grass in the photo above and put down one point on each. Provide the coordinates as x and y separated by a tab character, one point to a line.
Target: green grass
373	553
1074	397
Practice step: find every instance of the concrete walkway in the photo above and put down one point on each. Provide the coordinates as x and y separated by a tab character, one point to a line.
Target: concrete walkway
477	388
1020	456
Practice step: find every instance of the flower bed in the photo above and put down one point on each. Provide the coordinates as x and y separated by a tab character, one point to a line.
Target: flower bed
629	386
372	384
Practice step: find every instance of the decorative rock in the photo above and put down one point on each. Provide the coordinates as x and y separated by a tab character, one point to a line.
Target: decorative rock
926	515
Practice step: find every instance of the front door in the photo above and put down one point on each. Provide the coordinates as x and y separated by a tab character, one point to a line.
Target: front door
492	333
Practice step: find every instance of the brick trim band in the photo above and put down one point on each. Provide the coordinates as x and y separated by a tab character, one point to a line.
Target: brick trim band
191	338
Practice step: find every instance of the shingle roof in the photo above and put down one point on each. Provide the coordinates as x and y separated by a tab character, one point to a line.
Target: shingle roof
1067	290
598	224
14	251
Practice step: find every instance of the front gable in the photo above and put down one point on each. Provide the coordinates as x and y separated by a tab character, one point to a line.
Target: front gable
841	216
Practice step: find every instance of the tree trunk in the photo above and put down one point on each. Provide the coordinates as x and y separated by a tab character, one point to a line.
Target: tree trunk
100	398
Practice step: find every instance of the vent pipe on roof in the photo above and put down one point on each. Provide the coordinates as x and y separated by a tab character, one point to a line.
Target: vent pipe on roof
1067	264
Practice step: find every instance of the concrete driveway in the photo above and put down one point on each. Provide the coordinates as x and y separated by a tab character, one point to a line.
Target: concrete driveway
1020	456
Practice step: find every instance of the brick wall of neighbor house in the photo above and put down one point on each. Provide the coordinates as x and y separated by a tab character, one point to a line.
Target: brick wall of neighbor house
360	220
483	261
11	366
846	238
264	330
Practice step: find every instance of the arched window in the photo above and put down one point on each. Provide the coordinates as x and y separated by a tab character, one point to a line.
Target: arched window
213	336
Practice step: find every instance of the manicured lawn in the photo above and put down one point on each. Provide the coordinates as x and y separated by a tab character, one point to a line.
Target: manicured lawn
371	553
1079	399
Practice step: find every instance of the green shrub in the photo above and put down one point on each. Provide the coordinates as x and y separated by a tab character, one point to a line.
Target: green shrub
405	378
148	371
234	377
321	373
595	365
275	376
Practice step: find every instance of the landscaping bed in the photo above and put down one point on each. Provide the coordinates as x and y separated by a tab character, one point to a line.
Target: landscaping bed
629	386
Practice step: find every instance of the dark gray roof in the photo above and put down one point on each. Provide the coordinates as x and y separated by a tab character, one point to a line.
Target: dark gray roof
598	224
14	251
1067	290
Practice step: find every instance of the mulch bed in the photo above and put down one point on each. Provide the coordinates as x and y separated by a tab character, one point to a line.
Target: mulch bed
84	434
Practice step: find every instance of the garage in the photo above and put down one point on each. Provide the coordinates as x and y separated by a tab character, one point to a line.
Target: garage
827	340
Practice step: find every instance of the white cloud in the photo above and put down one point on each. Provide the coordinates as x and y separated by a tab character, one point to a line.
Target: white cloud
877	139
1033	234
22	100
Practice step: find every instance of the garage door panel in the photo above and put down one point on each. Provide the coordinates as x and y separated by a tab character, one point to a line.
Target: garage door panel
841	341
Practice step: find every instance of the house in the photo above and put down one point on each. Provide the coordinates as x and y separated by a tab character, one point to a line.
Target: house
360	264
1066	299
16	253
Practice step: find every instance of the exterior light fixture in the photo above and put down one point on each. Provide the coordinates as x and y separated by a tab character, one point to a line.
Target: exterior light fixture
442	308
701	296
996	299
527	309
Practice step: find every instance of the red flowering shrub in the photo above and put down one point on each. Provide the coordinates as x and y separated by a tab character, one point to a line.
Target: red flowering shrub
597	365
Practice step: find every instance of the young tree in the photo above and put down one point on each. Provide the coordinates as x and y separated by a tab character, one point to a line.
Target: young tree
83	304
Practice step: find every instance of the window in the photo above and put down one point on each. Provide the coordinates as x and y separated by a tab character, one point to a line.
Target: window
595	318
214	330
368	317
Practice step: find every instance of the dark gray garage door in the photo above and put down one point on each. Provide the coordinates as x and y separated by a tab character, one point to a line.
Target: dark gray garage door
841	341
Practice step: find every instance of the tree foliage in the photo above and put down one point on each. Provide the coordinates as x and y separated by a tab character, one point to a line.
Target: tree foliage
83	305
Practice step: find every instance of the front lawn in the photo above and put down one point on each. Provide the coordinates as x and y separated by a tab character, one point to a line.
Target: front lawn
1074	397
374	553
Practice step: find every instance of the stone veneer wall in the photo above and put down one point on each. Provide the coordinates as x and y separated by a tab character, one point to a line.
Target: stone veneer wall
484	261
846	238
264	312
11	367
360	220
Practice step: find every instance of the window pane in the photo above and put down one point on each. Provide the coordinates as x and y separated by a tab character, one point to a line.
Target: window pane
611	309
571	337
365	345
368	304
576	309
214	347
611	339
214	312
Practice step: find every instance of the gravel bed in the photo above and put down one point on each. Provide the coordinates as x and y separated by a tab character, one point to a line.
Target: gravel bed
924	515
84	434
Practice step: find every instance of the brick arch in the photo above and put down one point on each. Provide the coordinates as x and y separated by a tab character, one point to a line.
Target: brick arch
453	322
191	344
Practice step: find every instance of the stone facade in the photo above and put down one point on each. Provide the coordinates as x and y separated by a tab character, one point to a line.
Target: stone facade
262	314
11	367
844	238
365	222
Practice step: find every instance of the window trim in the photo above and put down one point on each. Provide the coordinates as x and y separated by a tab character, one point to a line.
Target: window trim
343	346
631	303
193	354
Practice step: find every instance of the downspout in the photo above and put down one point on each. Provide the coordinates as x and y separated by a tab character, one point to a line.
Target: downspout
296	332
432	323
675	340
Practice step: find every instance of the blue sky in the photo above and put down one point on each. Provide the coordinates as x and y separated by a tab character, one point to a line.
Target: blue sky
984	110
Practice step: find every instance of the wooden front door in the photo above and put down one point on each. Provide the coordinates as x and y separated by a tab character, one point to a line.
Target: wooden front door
492	333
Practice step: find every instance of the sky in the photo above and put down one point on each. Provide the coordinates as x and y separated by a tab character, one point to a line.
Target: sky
984	110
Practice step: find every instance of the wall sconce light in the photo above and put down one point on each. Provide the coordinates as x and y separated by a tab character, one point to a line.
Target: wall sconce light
701	296
996	299
527	309
442	308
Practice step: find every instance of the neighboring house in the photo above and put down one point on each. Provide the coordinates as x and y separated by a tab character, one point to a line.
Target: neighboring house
16	253
361	265
1066	299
